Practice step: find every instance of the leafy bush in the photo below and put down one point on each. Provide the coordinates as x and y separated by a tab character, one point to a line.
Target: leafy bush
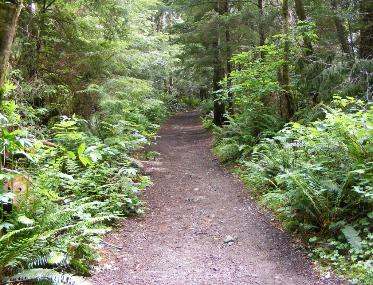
207	107
190	102
243	131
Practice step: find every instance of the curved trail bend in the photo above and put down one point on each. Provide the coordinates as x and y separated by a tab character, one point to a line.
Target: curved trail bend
201	227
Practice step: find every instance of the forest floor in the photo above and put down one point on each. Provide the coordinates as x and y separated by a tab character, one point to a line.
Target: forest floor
200	225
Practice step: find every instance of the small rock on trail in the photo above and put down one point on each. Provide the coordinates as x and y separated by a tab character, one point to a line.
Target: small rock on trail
200	227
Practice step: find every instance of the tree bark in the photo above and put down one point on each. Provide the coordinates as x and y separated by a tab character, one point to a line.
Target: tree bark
38	28
9	14
299	9
36	19
366	29
341	30
228	55
203	93
287	109
262	36
301	14
219	107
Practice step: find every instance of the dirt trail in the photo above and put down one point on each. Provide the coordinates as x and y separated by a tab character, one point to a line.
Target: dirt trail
201	227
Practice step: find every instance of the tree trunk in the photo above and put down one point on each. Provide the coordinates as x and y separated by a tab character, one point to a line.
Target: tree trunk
228	55
9	14
341	34
301	14
34	34
299	9
203	93
38	24
262	36
287	110
341	29
366	29
351	38
219	107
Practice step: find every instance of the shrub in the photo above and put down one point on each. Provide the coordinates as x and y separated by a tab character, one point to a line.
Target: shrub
190	102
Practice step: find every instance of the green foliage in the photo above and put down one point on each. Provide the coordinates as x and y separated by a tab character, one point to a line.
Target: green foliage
244	130
258	77
207	107
352	236
336	254
317	178
190	102
54	277
257	94
227	150
116	65
89	92
80	183
151	155
315	174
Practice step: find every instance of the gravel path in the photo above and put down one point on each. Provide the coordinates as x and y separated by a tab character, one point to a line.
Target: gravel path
200	226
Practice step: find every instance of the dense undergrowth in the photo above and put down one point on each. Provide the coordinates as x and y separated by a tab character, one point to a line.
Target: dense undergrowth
316	177
72	182
315	172
84	85
84	93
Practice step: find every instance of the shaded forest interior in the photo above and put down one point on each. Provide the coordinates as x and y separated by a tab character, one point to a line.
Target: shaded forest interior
285	86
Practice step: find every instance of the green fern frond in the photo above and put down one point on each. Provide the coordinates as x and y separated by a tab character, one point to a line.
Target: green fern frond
352	236
53	258
51	275
11	234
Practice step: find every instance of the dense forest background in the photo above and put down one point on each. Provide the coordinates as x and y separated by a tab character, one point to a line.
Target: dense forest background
286	87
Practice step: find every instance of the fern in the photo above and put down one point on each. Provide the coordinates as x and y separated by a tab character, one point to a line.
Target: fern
18	250
26	248
53	276
72	167
352	236
54	258
227	150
